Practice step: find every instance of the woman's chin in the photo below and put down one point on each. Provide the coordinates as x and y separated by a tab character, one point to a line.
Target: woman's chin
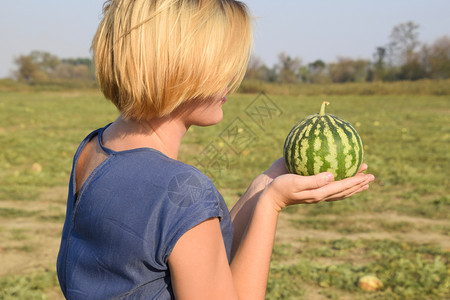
210	120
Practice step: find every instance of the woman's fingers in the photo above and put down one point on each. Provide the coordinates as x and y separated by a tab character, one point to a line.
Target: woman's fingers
335	190
346	194
357	188
312	182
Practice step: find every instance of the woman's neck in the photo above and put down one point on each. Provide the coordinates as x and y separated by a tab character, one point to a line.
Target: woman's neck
163	134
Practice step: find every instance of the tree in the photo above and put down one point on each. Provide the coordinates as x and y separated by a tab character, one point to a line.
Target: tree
40	67
349	70
288	68
436	58
305	74
379	56
314	72
255	69
28	70
378	71
317	72
404	40
47	62
413	69
270	74
36	67
405	62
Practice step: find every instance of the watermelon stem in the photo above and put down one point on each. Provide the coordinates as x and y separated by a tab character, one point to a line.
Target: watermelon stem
322	108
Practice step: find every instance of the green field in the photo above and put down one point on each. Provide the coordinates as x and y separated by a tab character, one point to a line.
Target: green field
398	230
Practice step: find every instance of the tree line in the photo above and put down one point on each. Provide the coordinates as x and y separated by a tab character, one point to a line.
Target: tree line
42	67
402	58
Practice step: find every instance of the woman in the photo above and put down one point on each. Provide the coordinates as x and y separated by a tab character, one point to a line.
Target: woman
139	223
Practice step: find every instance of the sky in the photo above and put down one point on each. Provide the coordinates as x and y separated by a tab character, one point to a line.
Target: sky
307	29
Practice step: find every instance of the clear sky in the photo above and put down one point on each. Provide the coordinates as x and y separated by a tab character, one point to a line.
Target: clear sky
320	29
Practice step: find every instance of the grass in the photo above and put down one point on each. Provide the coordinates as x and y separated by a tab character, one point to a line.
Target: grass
44	129
420	87
13	213
408	271
398	230
30	286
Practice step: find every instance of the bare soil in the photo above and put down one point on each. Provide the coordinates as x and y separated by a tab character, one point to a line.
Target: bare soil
288	234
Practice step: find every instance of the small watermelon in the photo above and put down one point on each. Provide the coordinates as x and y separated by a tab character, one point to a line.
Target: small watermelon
370	283
323	143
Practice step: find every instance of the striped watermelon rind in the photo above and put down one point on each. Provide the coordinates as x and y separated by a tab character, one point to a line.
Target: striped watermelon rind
323	143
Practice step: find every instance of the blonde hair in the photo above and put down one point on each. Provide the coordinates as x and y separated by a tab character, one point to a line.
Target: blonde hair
152	56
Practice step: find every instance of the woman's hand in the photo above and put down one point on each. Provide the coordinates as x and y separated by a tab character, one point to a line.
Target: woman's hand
289	189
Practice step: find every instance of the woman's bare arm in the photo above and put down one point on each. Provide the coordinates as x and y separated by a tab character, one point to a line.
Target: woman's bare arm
198	263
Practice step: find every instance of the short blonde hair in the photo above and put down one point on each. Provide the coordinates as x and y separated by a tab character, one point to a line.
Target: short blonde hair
152	56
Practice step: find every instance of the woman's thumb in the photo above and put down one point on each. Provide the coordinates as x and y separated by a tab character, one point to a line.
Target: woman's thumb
317	181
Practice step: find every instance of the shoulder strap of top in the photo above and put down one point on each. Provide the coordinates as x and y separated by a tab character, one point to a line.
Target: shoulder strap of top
100	134
72	185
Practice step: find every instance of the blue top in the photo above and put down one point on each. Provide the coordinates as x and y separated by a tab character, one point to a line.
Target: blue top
129	214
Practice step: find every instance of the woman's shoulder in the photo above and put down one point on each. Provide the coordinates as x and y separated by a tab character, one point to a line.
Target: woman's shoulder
151	160
153	167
